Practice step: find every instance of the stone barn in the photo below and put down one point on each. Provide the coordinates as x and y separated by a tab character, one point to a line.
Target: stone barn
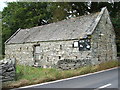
67	44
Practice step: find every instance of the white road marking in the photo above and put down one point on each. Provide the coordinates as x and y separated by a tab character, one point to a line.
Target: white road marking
67	78
105	85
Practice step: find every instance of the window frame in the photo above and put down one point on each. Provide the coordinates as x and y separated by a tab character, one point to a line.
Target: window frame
36	45
74	44
84	43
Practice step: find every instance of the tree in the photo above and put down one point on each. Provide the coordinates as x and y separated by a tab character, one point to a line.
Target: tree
23	15
0	35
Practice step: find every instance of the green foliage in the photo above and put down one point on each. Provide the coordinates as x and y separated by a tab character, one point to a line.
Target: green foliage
0	35
116	24
0	14
23	15
59	11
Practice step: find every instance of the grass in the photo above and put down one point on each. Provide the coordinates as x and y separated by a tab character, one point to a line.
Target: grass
1	57
26	75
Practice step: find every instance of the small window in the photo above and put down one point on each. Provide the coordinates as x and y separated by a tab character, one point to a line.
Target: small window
59	57
75	44
20	49
37	48
84	44
60	47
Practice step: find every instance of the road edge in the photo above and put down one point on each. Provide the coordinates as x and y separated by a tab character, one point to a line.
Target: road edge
68	78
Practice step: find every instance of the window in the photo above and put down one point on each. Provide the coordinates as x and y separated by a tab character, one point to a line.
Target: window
60	47
84	44
59	57
37	48
37	52
75	44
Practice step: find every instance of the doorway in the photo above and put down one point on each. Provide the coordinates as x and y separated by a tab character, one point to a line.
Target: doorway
37	52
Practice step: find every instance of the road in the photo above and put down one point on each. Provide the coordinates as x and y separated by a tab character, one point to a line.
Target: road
102	79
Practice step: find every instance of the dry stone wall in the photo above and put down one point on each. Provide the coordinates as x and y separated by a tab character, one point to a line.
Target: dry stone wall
7	70
67	64
50	53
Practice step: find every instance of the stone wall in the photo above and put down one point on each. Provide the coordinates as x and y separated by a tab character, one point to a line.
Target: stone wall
72	64
103	41
50	53
23	53
56	53
7	70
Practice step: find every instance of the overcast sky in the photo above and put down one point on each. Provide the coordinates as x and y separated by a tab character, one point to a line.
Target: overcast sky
3	4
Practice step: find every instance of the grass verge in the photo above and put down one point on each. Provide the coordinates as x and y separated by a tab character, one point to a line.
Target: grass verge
26	75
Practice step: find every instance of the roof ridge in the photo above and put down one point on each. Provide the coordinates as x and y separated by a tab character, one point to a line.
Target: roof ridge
61	21
62	29
94	25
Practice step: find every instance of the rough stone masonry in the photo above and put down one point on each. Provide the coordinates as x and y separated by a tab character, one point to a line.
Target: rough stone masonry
67	44
7	70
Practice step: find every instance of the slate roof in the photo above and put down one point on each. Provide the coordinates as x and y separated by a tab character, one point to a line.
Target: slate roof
63	30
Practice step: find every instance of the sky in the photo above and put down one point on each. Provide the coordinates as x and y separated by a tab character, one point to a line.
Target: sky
3	4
